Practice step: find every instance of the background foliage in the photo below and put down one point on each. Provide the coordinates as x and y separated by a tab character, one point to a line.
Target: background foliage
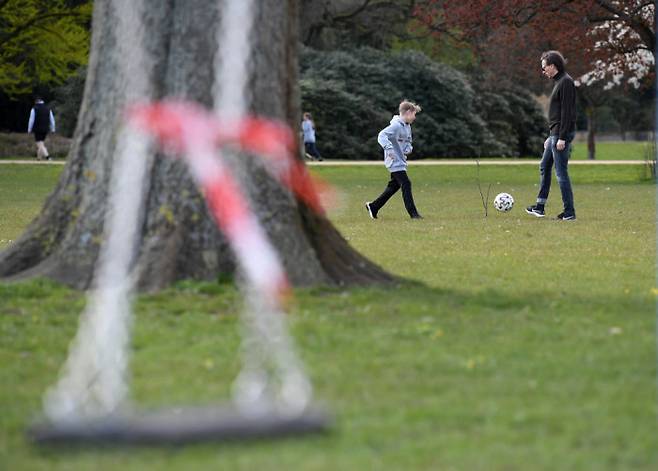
42	42
353	95
67	102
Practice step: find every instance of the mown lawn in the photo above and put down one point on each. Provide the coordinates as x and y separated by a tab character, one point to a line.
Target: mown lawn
515	344
23	190
630	150
606	150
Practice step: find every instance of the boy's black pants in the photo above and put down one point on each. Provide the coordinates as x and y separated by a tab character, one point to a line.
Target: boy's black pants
398	180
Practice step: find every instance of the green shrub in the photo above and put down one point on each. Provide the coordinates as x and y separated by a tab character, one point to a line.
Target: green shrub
13	145
353	94
515	119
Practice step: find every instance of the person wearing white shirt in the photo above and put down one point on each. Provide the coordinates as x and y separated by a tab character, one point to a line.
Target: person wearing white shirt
308	131
41	122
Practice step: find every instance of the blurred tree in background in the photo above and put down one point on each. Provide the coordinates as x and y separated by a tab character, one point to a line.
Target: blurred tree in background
336	24
608	43
42	43
606	40
494	45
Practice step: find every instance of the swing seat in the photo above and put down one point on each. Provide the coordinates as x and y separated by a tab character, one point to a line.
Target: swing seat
177	426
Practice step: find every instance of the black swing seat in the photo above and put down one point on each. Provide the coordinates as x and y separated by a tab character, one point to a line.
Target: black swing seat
177	426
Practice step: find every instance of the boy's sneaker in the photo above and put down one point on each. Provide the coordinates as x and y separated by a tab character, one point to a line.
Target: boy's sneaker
417	216
535	211
566	217
373	214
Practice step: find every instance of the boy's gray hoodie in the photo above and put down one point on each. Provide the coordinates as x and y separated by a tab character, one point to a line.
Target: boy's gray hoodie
396	141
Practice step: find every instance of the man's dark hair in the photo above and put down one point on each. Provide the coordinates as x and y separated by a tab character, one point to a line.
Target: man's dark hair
554	58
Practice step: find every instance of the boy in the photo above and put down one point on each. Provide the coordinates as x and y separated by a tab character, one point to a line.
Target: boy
396	142
308	130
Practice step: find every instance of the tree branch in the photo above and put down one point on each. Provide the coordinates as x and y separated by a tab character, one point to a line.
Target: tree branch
347	16
606	5
51	31
441	28
642	6
645	32
601	19
621	49
530	15
36	20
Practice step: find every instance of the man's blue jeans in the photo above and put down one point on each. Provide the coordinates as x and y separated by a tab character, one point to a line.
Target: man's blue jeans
561	160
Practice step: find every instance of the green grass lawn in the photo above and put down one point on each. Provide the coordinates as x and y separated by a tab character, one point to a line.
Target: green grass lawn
516	344
23	190
631	150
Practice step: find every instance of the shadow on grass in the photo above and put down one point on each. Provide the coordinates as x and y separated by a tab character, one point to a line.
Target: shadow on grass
406	296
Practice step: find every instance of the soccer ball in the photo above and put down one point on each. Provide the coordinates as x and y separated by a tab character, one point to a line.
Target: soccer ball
503	202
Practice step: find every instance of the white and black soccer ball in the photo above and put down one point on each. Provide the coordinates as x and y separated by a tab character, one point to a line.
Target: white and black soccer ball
503	202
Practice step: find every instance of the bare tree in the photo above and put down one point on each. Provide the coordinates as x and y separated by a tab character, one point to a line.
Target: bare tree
178	237
326	24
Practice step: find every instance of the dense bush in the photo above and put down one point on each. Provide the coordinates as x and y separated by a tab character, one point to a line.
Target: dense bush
354	94
515	119
68	98
346	124
14	145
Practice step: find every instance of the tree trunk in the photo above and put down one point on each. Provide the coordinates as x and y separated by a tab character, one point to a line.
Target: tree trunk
591	132
179	239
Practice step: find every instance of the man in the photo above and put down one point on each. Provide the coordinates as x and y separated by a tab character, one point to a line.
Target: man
396	141
41	121
562	125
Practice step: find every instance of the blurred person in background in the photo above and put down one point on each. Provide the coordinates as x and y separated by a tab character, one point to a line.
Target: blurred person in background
308	130
40	124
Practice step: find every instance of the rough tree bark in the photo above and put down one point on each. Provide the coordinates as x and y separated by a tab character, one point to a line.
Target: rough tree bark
592	97
590	112
178	237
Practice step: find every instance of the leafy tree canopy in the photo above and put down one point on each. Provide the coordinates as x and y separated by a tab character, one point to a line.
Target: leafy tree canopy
608	41
42	42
